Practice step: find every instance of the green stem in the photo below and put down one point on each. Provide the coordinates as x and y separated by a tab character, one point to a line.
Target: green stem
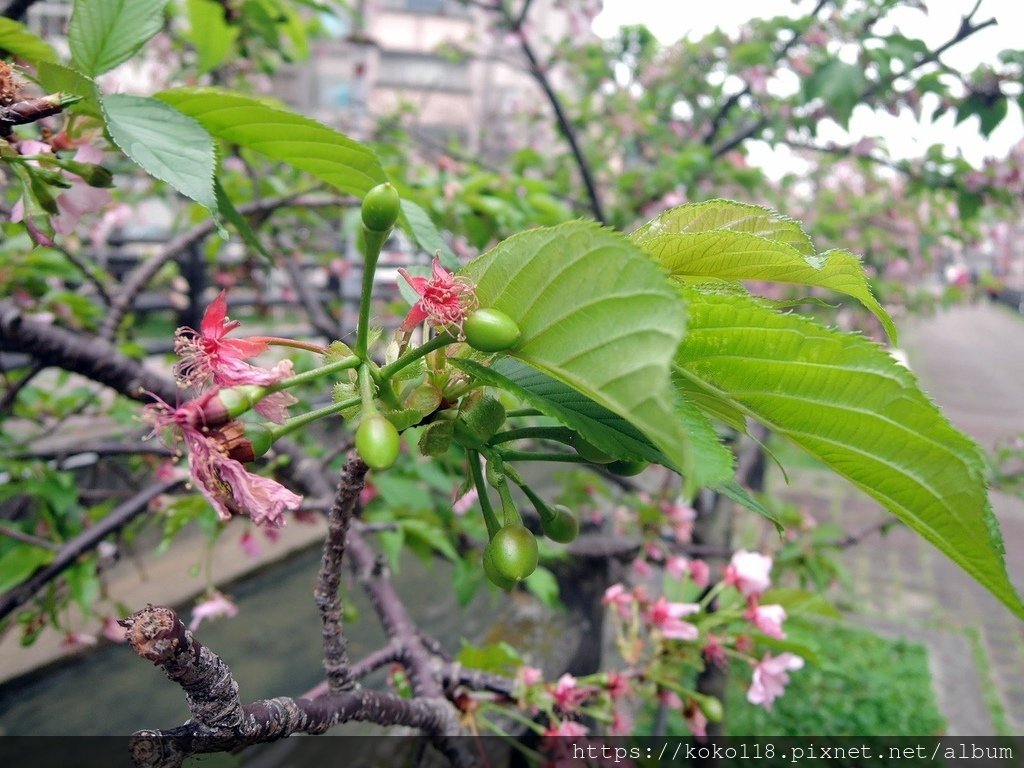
279	341
490	519
303	378
524	412
441	340
373	242
366	389
508	505
565	458
280	430
558	434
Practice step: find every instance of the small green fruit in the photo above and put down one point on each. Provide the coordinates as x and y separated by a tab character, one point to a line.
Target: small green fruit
377	442
562	526
513	552
590	452
712	708
627	468
492	574
490	330
381	207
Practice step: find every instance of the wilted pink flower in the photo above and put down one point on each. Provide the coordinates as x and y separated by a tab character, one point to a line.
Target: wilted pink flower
249	544
664	616
530	675
213	607
642	568
444	298
113	631
714	652
568	694
748	572
618	685
770	679
74	641
222	479
208	356
676	566
768	619
620	597
700	572
622	723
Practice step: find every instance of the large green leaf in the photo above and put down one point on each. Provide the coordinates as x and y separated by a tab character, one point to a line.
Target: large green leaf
104	33
422	228
730	255
18	41
598	315
728	215
210	33
281	135
167	144
845	401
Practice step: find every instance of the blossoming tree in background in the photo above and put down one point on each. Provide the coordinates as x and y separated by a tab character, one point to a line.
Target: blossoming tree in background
655	347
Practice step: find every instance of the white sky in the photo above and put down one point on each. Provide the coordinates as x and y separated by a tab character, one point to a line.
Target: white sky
673	19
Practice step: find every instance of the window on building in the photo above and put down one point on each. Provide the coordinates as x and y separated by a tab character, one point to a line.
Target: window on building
422	71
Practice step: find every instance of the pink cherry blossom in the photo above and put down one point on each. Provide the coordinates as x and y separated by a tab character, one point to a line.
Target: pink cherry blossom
677	566
770	679
213	607
700	572
617	686
444	298
748	572
714	652
767	618
621	598
665	617
568	694
530	675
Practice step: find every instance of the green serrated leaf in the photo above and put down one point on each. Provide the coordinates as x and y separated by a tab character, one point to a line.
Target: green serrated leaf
403	419
726	215
19	563
281	135
729	255
104	33
431	535
543	585
845	401
210	33
56	77
165	143
18	41
596	314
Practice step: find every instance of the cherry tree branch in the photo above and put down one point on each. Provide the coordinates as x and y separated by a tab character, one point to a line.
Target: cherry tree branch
327	592
140	277
219	721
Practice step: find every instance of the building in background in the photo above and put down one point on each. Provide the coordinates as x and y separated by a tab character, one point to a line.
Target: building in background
440	64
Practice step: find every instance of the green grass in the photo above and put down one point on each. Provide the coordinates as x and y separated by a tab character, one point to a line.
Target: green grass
866	685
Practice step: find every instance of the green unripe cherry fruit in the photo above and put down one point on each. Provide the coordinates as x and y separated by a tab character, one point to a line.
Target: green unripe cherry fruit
627	468
381	207
562	526
377	442
492	574
490	330
513	552
591	453
712	708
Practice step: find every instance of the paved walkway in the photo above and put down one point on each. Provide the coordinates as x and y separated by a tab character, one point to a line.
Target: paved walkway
971	361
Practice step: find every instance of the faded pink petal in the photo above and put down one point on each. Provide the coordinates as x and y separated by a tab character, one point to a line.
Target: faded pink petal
665	617
769	680
215	606
768	619
670	699
697	722
530	675
677	567
700	572
74	641
113	631
249	544
465	502
263	499
749	572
